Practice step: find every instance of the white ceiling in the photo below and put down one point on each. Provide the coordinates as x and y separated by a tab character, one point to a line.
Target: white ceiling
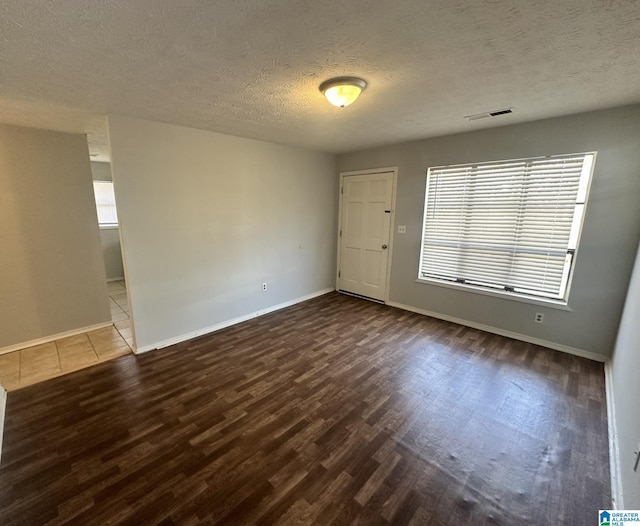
252	67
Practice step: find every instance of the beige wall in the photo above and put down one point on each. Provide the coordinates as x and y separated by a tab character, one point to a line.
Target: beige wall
52	276
610	234
207	218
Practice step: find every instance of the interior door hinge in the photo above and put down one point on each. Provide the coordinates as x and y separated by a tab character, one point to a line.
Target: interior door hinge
340	233
338	273
342	189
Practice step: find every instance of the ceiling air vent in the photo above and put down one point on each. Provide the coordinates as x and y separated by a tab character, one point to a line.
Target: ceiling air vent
500	112
486	114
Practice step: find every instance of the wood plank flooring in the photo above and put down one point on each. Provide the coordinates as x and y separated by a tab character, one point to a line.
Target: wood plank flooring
333	411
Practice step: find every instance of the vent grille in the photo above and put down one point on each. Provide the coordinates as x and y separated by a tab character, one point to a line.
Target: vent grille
500	112
486	114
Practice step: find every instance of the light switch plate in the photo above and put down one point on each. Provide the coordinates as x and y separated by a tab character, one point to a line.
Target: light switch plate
402	229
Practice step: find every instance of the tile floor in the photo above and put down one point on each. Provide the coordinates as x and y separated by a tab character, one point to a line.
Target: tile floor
48	360
120	309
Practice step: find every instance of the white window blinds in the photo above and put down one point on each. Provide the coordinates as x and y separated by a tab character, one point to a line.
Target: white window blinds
105	203
510	225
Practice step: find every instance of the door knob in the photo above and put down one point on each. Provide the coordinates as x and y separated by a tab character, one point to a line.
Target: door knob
384	247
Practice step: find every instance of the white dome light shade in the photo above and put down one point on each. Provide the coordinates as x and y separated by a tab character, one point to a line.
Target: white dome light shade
342	91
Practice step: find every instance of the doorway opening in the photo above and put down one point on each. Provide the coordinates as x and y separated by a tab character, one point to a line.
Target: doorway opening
111	249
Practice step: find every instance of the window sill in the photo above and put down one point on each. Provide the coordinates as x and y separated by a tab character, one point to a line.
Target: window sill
108	227
552	304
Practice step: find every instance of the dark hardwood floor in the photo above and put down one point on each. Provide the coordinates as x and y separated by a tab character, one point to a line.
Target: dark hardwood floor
334	411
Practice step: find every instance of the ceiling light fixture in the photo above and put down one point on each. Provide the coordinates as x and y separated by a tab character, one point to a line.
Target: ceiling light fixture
342	91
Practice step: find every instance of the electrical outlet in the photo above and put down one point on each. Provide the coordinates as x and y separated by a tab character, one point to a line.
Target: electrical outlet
402	229
539	317
264	287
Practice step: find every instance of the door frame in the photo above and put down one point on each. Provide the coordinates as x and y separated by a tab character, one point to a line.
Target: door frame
392	223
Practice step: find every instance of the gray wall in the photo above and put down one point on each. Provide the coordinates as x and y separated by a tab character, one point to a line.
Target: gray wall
100	171
626	391
610	234
52	276
109	236
207	218
111	253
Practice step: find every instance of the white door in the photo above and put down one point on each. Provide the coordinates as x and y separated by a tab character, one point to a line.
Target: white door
364	234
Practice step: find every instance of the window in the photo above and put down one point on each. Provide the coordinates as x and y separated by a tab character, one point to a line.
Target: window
105	203
512	226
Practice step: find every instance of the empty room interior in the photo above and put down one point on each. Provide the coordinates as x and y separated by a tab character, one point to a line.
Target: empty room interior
311	263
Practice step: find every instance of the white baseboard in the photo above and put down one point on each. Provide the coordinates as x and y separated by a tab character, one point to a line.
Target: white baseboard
614	448
229	323
3	405
509	334
115	279
53	337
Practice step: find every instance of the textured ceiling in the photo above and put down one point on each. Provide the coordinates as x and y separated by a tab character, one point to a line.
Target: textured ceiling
252	67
